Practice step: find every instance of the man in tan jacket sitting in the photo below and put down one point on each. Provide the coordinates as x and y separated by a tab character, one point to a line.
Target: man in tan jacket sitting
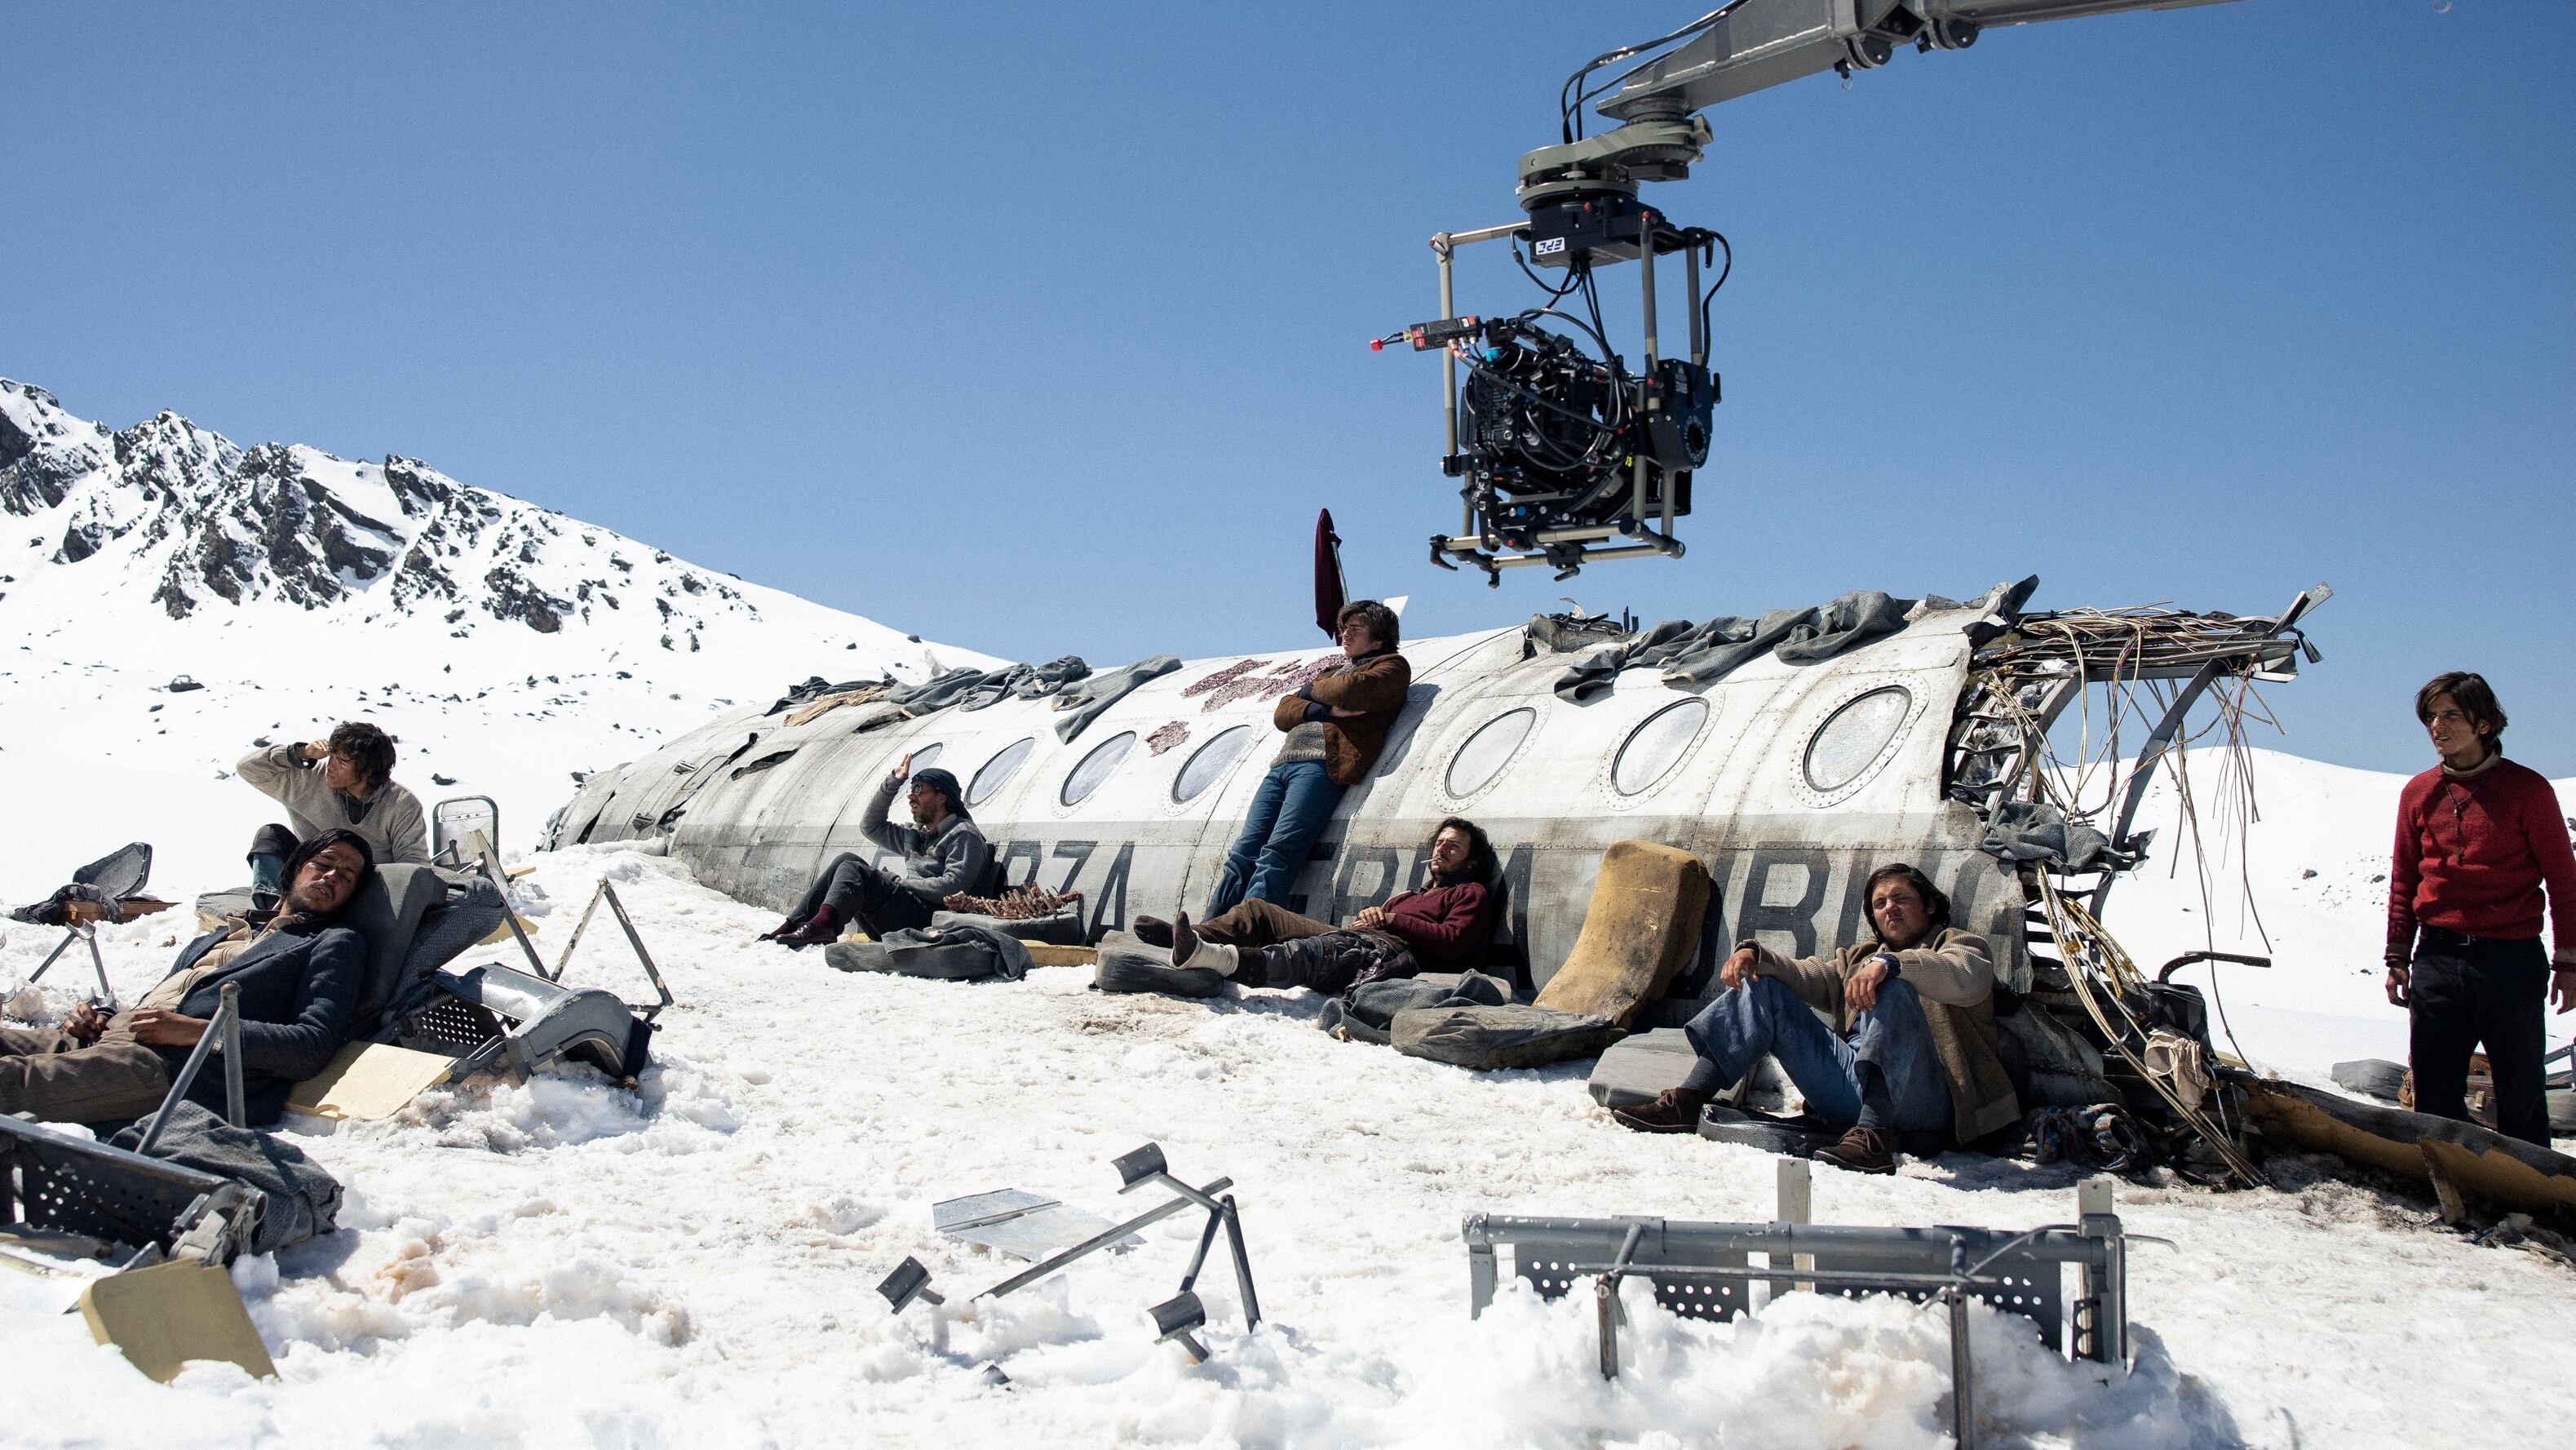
1912	1048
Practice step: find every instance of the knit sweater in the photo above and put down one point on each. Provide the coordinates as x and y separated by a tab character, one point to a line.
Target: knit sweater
1443	925
2474	851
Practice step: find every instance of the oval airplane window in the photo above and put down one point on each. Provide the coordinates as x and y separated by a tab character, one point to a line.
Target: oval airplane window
998	770
1656	746
1202	769
1094	768
1850	742
1481	758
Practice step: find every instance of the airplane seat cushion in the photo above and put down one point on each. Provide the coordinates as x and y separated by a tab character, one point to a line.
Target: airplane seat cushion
1638	933
1508	1035
387	913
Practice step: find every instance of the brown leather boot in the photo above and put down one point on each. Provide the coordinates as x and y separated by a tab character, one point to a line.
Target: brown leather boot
1863	1150
1674	1110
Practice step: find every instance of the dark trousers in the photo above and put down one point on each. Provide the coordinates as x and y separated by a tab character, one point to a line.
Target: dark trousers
2464	992
866	896
1257	923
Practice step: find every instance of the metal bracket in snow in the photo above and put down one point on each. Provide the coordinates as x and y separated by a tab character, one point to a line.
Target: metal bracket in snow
633	939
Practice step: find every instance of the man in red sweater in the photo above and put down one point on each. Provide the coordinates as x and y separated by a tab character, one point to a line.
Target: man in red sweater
1440	929
2478	838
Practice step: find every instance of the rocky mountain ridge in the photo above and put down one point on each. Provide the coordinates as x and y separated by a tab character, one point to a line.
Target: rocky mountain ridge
209	521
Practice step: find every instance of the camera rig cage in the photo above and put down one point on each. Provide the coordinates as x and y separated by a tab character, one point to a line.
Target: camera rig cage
1564	455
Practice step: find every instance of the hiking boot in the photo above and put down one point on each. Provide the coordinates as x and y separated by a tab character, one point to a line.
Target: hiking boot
1862	1150
1153	931
1674	1110
816	933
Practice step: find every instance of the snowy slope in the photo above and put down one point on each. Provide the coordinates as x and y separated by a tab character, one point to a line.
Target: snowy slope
505	646
693	1262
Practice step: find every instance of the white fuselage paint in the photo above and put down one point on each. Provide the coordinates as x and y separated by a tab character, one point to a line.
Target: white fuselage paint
1788	858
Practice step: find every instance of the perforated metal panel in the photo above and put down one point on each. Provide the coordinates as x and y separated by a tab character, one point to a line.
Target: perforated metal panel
1556	1255
54	1182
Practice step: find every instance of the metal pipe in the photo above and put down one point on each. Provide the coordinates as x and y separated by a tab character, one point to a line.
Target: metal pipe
579	927
1096	1242
1698	333
1646	270
1242	1265
1963	1374
186	1079
635	939
1443	248
229	1015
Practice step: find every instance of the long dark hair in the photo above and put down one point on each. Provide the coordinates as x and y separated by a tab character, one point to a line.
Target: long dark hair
370	750
1936	905
2475	697
1480	851
307	850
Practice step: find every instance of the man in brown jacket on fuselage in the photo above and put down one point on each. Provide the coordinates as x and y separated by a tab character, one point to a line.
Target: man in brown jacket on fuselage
1335	726
1912	1048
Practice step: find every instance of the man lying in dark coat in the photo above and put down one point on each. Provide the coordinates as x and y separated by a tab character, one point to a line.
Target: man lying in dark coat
1256	944
299	974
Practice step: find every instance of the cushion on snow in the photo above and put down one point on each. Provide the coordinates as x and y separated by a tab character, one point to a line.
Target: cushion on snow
1634	1071
1129	964
1061	928
386	911
1495	1037
958	961
1642	925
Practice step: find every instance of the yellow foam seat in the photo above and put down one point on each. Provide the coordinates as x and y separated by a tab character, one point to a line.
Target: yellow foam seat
1641	927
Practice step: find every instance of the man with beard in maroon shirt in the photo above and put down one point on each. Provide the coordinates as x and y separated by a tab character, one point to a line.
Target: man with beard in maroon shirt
2478	840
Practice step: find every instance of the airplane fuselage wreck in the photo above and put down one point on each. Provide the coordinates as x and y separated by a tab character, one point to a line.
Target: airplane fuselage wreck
1791	781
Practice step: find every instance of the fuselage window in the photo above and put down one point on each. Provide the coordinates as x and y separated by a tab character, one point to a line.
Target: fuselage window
1095	768
996	771
1656	746
1849	743
1482	757
1209	765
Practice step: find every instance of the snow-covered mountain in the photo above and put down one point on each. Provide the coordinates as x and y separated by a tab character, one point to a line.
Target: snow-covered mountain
504	645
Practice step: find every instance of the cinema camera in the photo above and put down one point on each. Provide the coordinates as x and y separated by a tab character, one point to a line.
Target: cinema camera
1567	456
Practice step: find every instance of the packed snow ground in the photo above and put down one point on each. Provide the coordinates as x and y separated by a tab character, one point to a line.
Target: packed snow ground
694	1262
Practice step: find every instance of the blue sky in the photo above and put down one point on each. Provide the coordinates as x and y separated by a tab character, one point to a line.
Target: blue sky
1042	329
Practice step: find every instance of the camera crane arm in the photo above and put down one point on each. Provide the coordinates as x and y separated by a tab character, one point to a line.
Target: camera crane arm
1567	457
1752	45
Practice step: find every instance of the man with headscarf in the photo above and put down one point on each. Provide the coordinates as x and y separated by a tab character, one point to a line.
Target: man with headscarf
1911	1049
299	972
943	853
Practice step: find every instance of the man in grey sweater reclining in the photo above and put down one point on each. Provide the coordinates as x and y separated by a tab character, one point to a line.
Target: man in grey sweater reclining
943	853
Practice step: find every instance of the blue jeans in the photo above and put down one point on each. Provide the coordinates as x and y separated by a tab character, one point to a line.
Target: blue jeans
1288	813
1883	1075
